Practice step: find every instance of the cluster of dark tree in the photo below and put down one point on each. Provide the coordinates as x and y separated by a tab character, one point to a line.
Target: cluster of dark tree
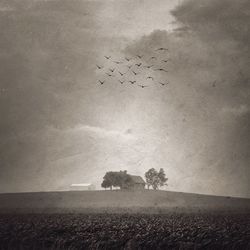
123	180
116	179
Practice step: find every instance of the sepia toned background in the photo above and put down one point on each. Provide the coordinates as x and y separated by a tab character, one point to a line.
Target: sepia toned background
59	126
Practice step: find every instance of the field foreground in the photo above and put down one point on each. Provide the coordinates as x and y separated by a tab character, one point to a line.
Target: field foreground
125	231
123	220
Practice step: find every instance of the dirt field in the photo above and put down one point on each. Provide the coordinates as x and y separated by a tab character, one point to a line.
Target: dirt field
123	220
125	231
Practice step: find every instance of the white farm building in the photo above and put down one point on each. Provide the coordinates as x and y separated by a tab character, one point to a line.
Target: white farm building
82	187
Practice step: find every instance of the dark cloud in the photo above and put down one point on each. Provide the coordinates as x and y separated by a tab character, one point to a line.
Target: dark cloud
217	20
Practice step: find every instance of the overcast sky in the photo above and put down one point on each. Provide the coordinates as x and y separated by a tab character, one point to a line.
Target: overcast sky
59	126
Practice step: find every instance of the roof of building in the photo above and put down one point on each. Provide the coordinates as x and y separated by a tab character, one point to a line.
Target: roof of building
137	179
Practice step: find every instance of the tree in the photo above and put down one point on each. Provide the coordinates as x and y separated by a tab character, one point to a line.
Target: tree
122	179
162	177
150	177
116	179
108	180
106	184
155	179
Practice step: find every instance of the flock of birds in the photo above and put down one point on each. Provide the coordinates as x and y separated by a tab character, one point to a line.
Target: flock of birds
138	70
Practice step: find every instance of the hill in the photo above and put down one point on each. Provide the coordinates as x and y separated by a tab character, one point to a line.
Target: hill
146	201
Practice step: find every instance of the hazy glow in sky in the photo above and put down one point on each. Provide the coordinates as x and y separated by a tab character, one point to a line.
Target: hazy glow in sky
58	126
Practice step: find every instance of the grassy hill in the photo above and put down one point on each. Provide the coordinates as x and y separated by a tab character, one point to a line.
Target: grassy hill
146	201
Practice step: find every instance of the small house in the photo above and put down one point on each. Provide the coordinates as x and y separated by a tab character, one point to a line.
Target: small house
137	183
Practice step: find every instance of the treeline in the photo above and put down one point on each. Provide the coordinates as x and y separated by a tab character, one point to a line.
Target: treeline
154	179
119	179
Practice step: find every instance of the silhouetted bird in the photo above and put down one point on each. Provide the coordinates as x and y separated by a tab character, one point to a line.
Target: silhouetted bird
129	66
163	83
121	82
161	70
165	61
101	82
139	56
128	59
121	73
112	70
138	64
150	77
117	62
107	57
99	67
153	57
161	49
132	82
148	66
109	74
135	73
142	86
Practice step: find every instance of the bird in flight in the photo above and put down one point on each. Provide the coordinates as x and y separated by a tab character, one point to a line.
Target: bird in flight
138	64
112	70
152	57
161	49
109	74
163	83
129	66
148	66
142	86
121	81
139	56
132	82
150	77
135	73
165	61
117	62
128	59
99	67
101	82
121	73
161	70
107	57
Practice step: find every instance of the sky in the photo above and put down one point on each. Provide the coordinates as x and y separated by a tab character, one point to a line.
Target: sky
59	125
